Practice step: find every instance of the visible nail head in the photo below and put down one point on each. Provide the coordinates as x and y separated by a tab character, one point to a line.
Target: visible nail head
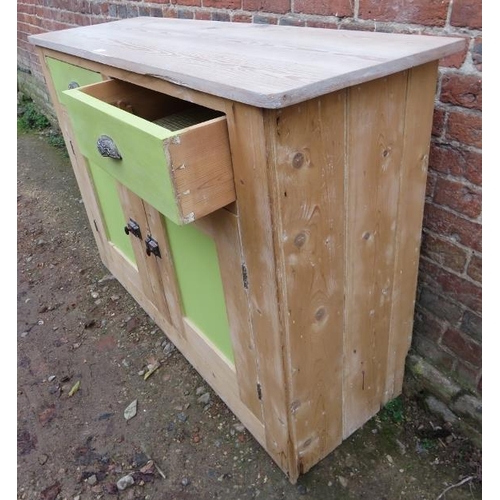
298	160
299	240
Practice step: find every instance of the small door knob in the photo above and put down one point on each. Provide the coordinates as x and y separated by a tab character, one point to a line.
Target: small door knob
133	227
152	247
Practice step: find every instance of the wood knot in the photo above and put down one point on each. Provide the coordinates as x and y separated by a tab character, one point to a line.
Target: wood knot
366	236
320	314
298	160
299	240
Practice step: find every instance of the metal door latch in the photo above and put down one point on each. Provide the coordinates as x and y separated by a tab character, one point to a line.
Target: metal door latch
133	227
152	247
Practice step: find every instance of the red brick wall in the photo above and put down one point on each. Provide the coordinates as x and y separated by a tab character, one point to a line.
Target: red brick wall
448	313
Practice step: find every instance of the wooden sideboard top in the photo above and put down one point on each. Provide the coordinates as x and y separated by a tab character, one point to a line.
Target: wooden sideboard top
262	65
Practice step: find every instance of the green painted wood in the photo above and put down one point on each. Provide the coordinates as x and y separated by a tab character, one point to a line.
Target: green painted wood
111	210
200	284
143	168
63	74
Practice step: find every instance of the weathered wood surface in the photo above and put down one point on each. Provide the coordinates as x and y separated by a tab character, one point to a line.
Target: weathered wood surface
261	65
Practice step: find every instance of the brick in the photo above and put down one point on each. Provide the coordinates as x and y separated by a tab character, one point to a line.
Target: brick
452	286
223	4
156	12
445	223
474	269
463	346
430	351
241	18
203	15
462	90
221	16
467	14
456	60
438	122
338	8
456	161
291	21
466	375
189	3
426	12
185	14
258	19
443	252
465	128
472	325
426	325
458	196
275	6
439	306
322	24
477	53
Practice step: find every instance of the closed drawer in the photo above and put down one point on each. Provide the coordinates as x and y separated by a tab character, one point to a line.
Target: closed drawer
68	76
172	153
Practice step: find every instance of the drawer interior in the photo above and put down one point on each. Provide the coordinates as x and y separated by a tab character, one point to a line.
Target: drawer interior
166	111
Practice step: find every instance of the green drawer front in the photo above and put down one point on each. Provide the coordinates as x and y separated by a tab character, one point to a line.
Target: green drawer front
200	284
111	210
143	168
64	74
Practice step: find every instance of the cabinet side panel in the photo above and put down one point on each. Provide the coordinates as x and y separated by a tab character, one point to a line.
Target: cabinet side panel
250	164
417	136
375	130
309	157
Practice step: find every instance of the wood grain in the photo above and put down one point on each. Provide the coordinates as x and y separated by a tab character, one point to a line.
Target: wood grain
413	175
307	148
252	184
375	128
261	65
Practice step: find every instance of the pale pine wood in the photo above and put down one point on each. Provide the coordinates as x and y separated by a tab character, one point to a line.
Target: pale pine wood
261	65
201	168
247	136
222	227
375	128
163	267
307	150
152	284
413	174
146	81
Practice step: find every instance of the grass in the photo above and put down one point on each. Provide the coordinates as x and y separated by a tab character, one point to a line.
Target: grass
393	411
33	120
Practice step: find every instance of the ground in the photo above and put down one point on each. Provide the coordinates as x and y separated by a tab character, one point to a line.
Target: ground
83	349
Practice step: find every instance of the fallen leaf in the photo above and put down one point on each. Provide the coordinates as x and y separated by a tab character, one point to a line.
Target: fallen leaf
151	369
74	389
130	410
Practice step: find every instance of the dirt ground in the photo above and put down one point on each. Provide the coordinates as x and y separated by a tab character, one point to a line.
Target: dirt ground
77	325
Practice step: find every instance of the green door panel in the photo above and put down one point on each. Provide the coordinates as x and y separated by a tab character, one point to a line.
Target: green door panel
143	168
198	275
63	74
111	210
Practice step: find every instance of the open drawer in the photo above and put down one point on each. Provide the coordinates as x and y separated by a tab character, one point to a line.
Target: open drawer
172	153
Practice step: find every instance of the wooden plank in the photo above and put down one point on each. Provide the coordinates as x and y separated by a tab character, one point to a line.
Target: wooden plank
250	165
163	267
308	152
222	226
201	168
374	140
265	66
413	174
152	283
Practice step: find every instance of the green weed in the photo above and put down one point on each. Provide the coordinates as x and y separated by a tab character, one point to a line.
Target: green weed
32	119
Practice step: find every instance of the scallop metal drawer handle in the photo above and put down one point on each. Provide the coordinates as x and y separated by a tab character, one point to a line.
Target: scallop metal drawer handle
73	85
107	148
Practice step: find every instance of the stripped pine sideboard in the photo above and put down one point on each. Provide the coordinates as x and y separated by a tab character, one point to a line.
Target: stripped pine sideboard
259	191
